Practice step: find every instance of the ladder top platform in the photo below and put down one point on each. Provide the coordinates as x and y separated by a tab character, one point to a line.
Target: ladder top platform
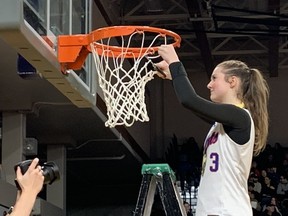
157	170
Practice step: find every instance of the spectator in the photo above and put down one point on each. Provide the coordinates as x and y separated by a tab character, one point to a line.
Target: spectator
272	208
187	207
284	167
273	175
255	169
257	184
254	197
268	191
262	177
282	188
270	211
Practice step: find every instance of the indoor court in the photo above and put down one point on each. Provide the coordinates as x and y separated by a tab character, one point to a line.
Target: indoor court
78	87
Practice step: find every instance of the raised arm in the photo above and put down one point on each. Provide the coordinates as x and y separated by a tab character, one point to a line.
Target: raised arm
31	184
226	114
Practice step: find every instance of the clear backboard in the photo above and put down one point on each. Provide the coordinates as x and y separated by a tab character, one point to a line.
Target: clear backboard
32	28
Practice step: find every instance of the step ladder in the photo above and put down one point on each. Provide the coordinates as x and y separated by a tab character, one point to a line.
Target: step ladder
159	177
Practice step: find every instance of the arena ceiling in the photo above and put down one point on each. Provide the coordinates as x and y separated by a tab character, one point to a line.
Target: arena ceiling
254	31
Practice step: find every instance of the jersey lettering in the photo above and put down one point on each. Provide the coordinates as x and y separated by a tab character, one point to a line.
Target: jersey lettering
215	162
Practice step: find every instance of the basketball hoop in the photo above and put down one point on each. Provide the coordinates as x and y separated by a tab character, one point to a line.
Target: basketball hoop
122	56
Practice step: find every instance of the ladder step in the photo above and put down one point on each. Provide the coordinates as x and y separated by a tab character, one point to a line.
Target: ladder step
157	170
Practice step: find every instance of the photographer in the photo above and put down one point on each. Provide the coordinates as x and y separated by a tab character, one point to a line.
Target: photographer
30	184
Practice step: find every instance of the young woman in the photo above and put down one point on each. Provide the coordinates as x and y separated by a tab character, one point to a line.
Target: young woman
239	96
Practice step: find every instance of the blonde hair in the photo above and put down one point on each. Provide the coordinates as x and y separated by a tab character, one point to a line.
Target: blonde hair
254	92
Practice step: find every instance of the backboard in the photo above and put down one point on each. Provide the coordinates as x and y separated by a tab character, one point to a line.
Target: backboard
31	27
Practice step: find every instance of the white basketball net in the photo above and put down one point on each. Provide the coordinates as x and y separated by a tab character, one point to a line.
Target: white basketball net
124	86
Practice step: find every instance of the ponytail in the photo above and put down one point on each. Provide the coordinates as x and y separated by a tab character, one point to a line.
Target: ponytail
256	101
254	93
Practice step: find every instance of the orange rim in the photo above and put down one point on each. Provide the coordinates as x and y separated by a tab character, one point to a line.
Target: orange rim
116	31
73	49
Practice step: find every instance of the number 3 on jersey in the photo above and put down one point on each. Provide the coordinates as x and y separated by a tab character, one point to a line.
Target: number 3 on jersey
214	162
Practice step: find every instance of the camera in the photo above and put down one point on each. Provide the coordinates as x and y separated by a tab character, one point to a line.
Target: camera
49	169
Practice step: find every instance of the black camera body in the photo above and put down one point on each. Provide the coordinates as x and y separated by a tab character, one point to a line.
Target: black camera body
49	169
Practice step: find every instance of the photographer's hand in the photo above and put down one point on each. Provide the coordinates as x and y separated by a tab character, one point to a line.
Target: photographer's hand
33	178
31	184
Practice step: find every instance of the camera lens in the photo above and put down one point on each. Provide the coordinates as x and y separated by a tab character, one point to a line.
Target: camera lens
50	172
